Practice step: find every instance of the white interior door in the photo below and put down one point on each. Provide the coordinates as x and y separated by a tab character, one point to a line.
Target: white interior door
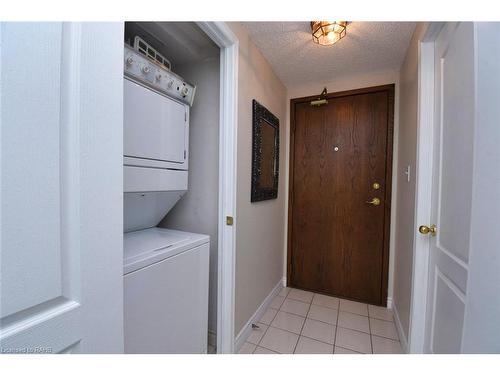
451	187
61	187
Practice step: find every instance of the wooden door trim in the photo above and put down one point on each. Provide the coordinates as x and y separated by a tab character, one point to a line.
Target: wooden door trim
390	89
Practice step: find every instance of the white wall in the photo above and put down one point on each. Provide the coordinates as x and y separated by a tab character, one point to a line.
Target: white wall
482	313
343	84
405	199
259	226
197	211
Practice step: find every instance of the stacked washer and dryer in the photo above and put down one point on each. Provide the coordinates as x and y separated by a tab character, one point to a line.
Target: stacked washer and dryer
165	271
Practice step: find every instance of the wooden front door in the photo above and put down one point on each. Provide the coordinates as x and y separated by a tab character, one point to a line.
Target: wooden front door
338	234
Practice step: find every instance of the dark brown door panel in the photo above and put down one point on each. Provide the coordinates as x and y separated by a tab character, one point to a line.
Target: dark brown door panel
337	242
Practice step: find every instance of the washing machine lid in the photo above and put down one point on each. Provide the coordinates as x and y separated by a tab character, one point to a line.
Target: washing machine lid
145	247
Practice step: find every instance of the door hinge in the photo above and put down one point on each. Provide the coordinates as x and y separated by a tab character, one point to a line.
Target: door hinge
229	220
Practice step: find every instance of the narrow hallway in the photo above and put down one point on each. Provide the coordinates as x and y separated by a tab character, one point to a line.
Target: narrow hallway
302	322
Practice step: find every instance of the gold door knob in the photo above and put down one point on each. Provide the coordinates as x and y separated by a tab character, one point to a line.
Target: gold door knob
424	229
374	201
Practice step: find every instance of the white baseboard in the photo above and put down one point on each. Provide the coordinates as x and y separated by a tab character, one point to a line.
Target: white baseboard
402	337
389	302
247	328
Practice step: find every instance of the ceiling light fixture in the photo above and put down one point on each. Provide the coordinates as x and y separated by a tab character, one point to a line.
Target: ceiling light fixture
327	33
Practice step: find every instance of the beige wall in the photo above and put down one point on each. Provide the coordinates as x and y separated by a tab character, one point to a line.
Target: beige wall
351	83
407	152
259	226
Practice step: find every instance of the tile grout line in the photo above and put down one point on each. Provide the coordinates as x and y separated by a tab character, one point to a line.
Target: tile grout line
369	327
263	334
384	320
278	310
336	328
347	300
315	320
338	309
302	328
281	304
383	337
310	304
257	346
299	300
371	341
319	341
324	342
271	322
282	329
355	351
269	325
366	333
303	324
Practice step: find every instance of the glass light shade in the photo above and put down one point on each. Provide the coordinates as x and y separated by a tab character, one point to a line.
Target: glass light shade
327	33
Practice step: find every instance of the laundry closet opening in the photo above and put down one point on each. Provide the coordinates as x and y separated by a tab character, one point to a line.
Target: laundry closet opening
171	185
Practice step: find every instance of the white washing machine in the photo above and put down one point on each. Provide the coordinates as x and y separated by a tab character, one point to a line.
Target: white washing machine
166	291
165	271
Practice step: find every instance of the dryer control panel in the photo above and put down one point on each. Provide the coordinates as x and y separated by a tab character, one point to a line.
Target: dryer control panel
144	70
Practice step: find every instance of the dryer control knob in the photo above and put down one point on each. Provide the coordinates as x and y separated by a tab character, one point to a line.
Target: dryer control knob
145	69
185	91
158	77
130	60
170	84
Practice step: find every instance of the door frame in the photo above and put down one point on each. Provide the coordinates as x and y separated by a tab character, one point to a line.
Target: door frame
390	88
222	36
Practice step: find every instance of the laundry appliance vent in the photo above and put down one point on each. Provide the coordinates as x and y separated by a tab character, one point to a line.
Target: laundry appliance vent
145	49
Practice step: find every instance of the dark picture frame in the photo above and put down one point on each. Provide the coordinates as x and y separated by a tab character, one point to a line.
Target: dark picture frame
265	153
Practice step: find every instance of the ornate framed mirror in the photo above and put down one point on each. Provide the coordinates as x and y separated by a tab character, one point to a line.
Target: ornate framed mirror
265	153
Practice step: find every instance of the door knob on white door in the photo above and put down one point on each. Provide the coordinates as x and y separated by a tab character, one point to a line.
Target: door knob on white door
424	229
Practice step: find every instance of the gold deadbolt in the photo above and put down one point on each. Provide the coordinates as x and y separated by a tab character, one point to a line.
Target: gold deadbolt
376	185
229	220
374	201
424	229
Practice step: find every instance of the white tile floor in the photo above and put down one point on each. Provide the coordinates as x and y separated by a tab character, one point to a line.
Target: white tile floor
303	322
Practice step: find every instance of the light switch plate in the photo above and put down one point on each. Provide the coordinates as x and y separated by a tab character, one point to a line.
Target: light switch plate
407	172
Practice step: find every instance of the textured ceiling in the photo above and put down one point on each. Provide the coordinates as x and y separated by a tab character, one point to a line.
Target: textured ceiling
367	47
